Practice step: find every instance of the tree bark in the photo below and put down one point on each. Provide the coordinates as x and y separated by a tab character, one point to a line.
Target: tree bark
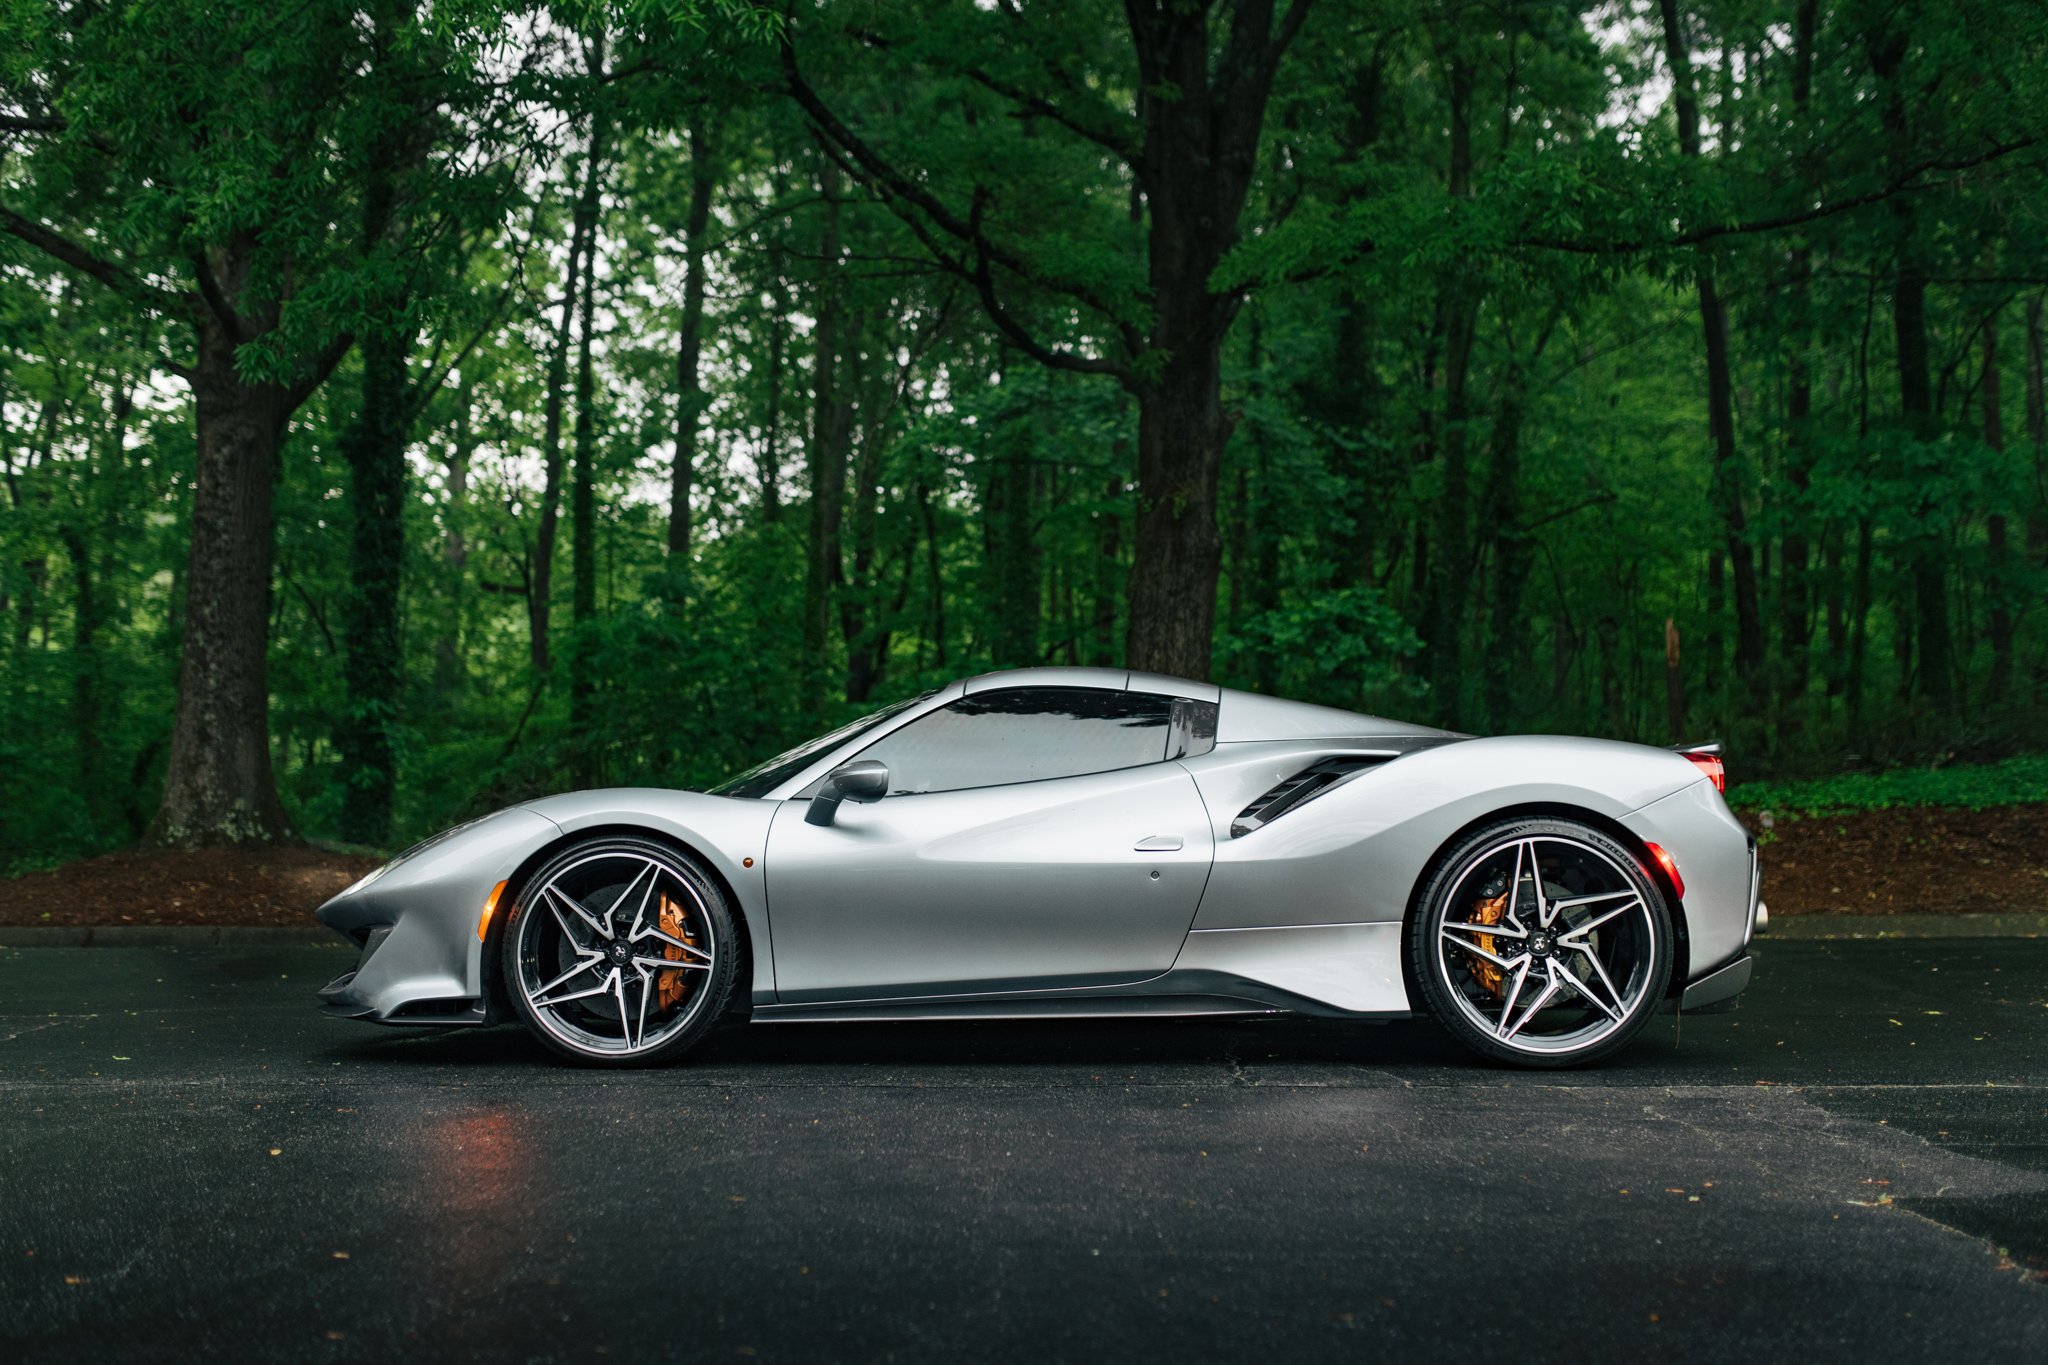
218	786
690	397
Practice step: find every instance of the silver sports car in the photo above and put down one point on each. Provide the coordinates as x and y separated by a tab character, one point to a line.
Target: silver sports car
1079	842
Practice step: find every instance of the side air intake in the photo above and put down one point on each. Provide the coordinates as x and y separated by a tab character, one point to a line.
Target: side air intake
1302	787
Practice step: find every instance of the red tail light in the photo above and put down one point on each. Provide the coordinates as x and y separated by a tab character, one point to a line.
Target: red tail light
1716	771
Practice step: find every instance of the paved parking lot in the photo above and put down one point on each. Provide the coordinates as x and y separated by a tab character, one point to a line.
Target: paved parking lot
195	1165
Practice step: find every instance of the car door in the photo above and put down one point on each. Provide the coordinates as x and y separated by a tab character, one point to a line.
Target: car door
1032	838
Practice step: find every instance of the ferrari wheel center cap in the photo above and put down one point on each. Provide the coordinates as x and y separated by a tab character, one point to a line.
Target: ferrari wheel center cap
1540	945
618	951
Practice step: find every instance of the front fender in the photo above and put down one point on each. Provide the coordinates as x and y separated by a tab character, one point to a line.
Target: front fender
728	833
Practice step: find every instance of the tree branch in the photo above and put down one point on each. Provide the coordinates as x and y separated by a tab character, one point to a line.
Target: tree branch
216	302
63	249
425	392
1107	139
872	169
1906	184
322	366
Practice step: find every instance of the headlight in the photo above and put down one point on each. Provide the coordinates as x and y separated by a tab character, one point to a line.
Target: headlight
417	849
368	877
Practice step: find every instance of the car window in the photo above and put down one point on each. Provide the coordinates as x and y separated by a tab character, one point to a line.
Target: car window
763	778
1024	734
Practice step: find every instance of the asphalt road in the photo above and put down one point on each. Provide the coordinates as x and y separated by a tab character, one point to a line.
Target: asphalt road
195	1165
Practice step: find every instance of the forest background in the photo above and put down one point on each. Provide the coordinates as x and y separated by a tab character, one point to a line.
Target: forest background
408	407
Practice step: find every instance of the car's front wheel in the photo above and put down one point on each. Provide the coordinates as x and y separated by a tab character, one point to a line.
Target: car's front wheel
620	952
1543	943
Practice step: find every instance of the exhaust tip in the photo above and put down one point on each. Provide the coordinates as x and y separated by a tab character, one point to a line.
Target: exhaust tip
1763	917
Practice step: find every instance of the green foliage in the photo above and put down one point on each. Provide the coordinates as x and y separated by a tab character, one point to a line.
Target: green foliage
1967	786
988	510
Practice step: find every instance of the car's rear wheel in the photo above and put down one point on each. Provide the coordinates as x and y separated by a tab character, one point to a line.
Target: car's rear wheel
620	952
1543	943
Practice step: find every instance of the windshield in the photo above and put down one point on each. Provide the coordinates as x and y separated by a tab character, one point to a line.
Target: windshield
763	778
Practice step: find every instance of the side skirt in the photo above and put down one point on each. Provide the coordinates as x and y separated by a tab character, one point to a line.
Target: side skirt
1097	1007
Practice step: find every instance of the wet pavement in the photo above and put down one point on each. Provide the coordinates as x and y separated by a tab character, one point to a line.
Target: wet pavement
195	1165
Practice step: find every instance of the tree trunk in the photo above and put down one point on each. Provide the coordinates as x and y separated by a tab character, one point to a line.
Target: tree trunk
2037	435
1009	555
1109	526
1859	621
1916	391
867	640
1795	594
935	582
1450	584
448	656
89	610
1837	612
373	667
831	428
1199	154
1995	532
218	786
540	587
1181	432
1727	494
771	439
86	721
583	491
1507	660
690	397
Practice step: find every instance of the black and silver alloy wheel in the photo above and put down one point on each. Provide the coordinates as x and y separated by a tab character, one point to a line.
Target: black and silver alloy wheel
1543	943
619	952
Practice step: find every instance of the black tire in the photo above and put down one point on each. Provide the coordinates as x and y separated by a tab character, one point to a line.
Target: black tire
545	938
1481	964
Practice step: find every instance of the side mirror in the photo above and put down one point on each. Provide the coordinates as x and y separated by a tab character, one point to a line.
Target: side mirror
863	780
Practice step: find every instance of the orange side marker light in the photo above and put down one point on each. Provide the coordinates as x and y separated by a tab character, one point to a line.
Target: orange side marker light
483	922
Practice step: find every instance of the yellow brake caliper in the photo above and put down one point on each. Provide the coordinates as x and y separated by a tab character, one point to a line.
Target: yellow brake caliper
671	986
1488	912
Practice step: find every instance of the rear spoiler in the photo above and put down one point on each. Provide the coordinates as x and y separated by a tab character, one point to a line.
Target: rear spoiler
1706	756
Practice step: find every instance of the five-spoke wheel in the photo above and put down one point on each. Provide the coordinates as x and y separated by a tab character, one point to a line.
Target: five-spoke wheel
1542	942
619	952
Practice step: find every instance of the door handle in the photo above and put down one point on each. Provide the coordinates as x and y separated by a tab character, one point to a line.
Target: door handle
1158	843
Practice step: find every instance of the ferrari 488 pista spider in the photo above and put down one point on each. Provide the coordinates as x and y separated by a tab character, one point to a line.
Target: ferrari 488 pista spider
1084	843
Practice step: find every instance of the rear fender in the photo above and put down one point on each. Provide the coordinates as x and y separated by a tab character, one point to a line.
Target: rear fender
1356	853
